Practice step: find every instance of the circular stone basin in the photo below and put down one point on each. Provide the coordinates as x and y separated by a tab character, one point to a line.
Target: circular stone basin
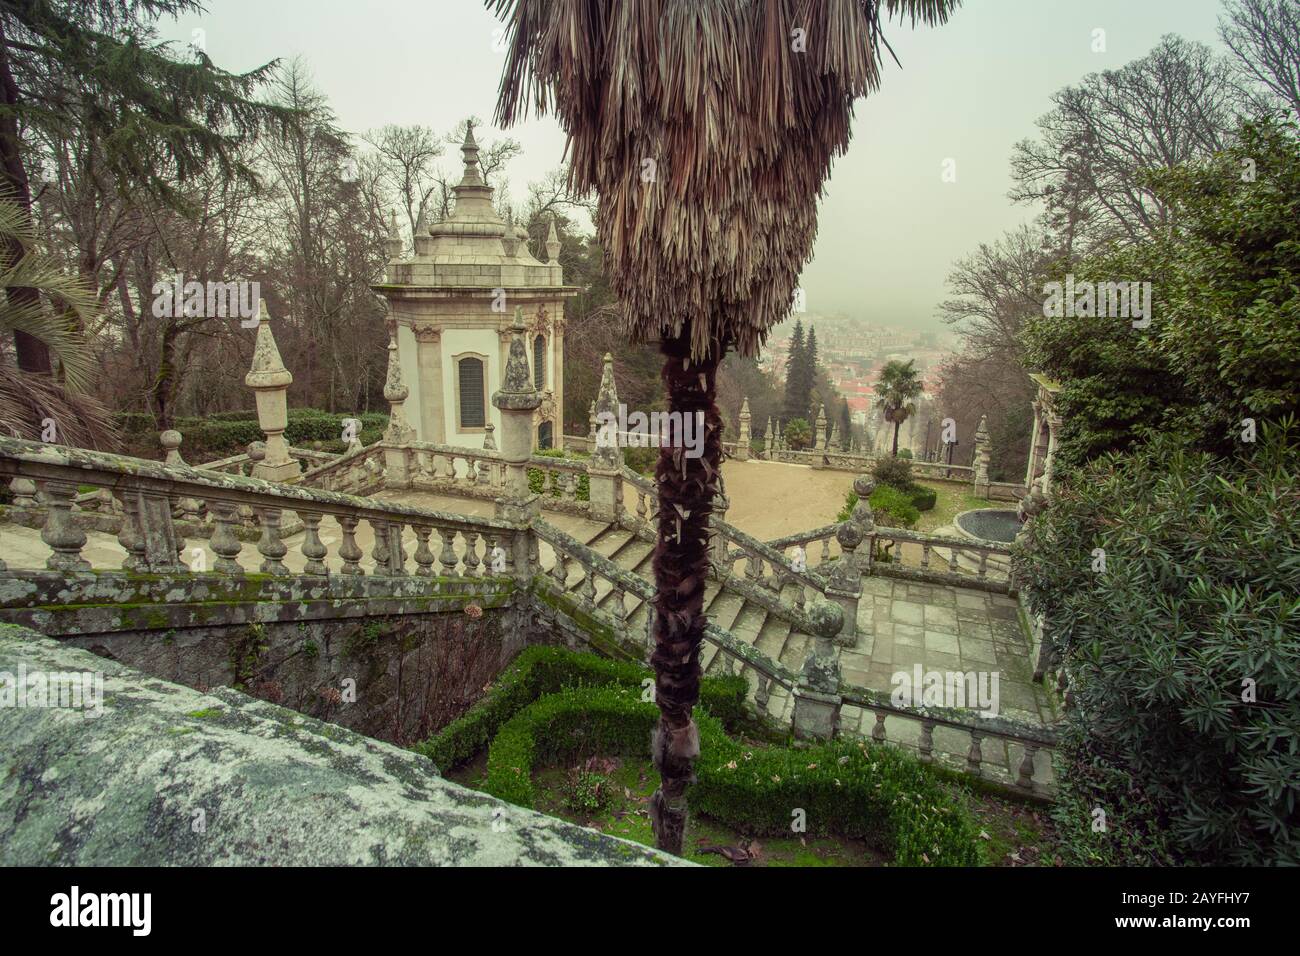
989	524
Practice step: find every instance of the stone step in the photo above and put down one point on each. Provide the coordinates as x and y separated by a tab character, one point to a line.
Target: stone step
722	611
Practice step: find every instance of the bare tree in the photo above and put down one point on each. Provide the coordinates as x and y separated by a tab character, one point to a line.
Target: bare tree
407	169
1177	103
1264	36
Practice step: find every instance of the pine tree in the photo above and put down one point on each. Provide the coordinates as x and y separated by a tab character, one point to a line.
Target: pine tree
796	397
846	426
157	120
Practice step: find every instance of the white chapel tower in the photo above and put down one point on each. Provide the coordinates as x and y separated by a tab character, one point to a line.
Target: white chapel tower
451	306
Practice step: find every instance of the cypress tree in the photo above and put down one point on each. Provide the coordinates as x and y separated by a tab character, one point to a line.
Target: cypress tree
796	398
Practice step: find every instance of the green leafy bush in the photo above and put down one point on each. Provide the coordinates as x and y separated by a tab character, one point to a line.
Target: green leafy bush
895	472
892	508
922	498
585	792
1182	652
850	788
641	460
538	671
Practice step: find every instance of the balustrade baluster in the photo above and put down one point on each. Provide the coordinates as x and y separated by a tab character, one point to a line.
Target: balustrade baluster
1025	780
952	560
762	695
447	558
620	606
64	538
974	756
570	487
313	549
396	550
926	743
878	729
826	550
349	551
925	556
129	535
270	545
587	589
640	507
224	543
984	564
558	571
380	550
471	554
423	556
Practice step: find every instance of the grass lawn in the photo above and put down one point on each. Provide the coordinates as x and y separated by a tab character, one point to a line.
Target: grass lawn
953	499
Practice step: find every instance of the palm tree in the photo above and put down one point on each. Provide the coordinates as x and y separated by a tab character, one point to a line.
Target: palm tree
897	386
706	129
30	399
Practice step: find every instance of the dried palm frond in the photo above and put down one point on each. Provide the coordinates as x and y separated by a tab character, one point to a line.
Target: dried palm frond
28	400
707	136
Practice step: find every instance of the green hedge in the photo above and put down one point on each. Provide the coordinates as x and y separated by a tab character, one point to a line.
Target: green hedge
923	498
229	433
537	477
847	788
539	671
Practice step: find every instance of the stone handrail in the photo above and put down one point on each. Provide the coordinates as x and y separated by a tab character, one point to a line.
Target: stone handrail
148	491
907	563
1030	737
453	468
592	566
239	464
358	471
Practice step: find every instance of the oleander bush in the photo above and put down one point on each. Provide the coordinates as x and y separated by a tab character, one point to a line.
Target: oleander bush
1182	651
851	789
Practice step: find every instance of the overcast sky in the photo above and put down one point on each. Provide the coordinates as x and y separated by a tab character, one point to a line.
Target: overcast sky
890	227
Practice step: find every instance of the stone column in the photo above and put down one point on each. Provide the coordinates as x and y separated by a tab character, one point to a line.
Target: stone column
557	373
605	466
864	520
591	427
767	437
982	458
398	435
820	440
1033	446
270	381
742	447
517	400
817	698
1053	425
428	359
845	585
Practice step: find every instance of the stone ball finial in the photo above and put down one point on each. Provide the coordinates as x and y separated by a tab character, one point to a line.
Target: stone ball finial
170	439
257	450
848	535
825	618
863	486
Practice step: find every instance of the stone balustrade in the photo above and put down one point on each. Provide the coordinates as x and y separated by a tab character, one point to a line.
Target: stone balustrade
938	559
148	492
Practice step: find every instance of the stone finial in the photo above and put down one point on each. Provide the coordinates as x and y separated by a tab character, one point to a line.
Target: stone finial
171	442
552	244
981	461
517	392
591	422
510	240
767	435
982	430
268	369
862	516
396	393
489	442
820	440
422	222
393	244
469	154
606	409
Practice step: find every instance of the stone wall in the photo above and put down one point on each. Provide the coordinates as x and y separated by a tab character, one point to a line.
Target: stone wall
169	776
359	652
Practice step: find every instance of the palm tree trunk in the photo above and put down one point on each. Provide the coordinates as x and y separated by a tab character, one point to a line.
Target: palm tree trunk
897	426
681	561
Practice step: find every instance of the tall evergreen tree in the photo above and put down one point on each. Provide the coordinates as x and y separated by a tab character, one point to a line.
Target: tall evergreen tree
846	426
96	66
796	400
808	376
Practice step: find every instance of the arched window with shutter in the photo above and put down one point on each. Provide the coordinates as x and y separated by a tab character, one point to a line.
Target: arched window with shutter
539	362
471	392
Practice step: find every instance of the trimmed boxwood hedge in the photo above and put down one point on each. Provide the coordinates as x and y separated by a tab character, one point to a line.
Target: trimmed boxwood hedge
539	671
229	433
847	788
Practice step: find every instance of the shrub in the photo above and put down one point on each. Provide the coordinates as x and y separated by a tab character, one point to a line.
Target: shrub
544	670
891	507
895	472
586	793
854	789
922	498
1197	608
229	433
641	460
